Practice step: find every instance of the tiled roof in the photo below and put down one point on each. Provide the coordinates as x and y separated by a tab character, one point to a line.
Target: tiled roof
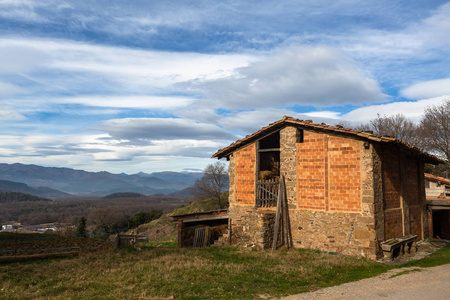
437	178
308	124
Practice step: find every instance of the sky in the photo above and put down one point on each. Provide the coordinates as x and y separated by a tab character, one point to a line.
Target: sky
147	86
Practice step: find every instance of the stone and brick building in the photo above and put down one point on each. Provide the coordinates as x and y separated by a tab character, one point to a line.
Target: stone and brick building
347	190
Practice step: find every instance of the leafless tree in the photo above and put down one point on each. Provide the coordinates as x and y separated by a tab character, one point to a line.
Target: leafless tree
103	218
213	184
399	127
396	126
436	127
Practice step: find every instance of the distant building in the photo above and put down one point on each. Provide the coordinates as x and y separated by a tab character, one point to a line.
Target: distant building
438	202
12	226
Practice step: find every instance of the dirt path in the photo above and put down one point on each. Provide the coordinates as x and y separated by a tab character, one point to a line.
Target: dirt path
405	283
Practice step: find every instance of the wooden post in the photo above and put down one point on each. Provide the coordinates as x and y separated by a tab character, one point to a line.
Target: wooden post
277	217
289	233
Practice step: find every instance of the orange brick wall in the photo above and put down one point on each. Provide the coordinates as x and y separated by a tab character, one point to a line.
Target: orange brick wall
329	173
345	174
245	175
311	171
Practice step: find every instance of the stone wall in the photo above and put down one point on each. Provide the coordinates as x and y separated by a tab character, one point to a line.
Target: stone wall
252	227
343	233
289	138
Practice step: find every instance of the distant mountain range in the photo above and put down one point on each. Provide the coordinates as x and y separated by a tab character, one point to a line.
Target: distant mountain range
45	192
54	183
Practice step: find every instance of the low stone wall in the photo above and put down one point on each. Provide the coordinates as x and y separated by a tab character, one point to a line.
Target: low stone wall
344	233
252	227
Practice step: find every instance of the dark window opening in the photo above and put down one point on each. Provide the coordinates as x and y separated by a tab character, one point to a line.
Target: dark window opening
270	142
269	165
269	157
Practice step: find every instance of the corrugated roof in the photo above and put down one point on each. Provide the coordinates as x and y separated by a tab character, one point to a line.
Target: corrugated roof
308	124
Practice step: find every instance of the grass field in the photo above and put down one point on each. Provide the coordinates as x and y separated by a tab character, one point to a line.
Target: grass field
161	271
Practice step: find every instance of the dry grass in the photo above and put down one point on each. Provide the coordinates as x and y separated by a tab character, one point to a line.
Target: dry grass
157	273
166	273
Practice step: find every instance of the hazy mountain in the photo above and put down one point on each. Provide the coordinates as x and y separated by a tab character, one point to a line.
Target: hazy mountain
187	192
19	197
83	183
45	192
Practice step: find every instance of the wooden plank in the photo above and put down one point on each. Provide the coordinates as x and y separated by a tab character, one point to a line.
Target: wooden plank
284	213
277	218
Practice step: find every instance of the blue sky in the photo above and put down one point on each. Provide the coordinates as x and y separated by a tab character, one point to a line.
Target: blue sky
129	86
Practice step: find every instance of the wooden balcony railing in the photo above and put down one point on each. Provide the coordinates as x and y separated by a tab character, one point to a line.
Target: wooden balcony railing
267	192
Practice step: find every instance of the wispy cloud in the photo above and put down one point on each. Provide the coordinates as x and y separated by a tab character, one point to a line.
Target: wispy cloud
152	129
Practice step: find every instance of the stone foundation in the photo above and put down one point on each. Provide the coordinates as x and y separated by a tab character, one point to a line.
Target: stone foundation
252	227
343	233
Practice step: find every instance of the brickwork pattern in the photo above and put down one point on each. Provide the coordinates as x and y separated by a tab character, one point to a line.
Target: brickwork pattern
244	177
329	173
345	174
311	171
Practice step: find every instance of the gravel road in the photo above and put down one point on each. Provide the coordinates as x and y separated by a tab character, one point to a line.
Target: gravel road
405	283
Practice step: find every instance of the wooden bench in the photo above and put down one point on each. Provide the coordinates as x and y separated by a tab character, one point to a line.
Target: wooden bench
391	245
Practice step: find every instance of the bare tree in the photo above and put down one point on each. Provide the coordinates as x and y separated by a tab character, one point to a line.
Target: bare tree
396	126
399	127
213	183
103	218
436	127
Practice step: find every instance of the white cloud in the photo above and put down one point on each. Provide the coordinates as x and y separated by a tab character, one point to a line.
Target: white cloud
246	122
316	76
152	129
438	26
427	89
22	10
8	89
21	57
8	113
410	109
60	66
144	102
